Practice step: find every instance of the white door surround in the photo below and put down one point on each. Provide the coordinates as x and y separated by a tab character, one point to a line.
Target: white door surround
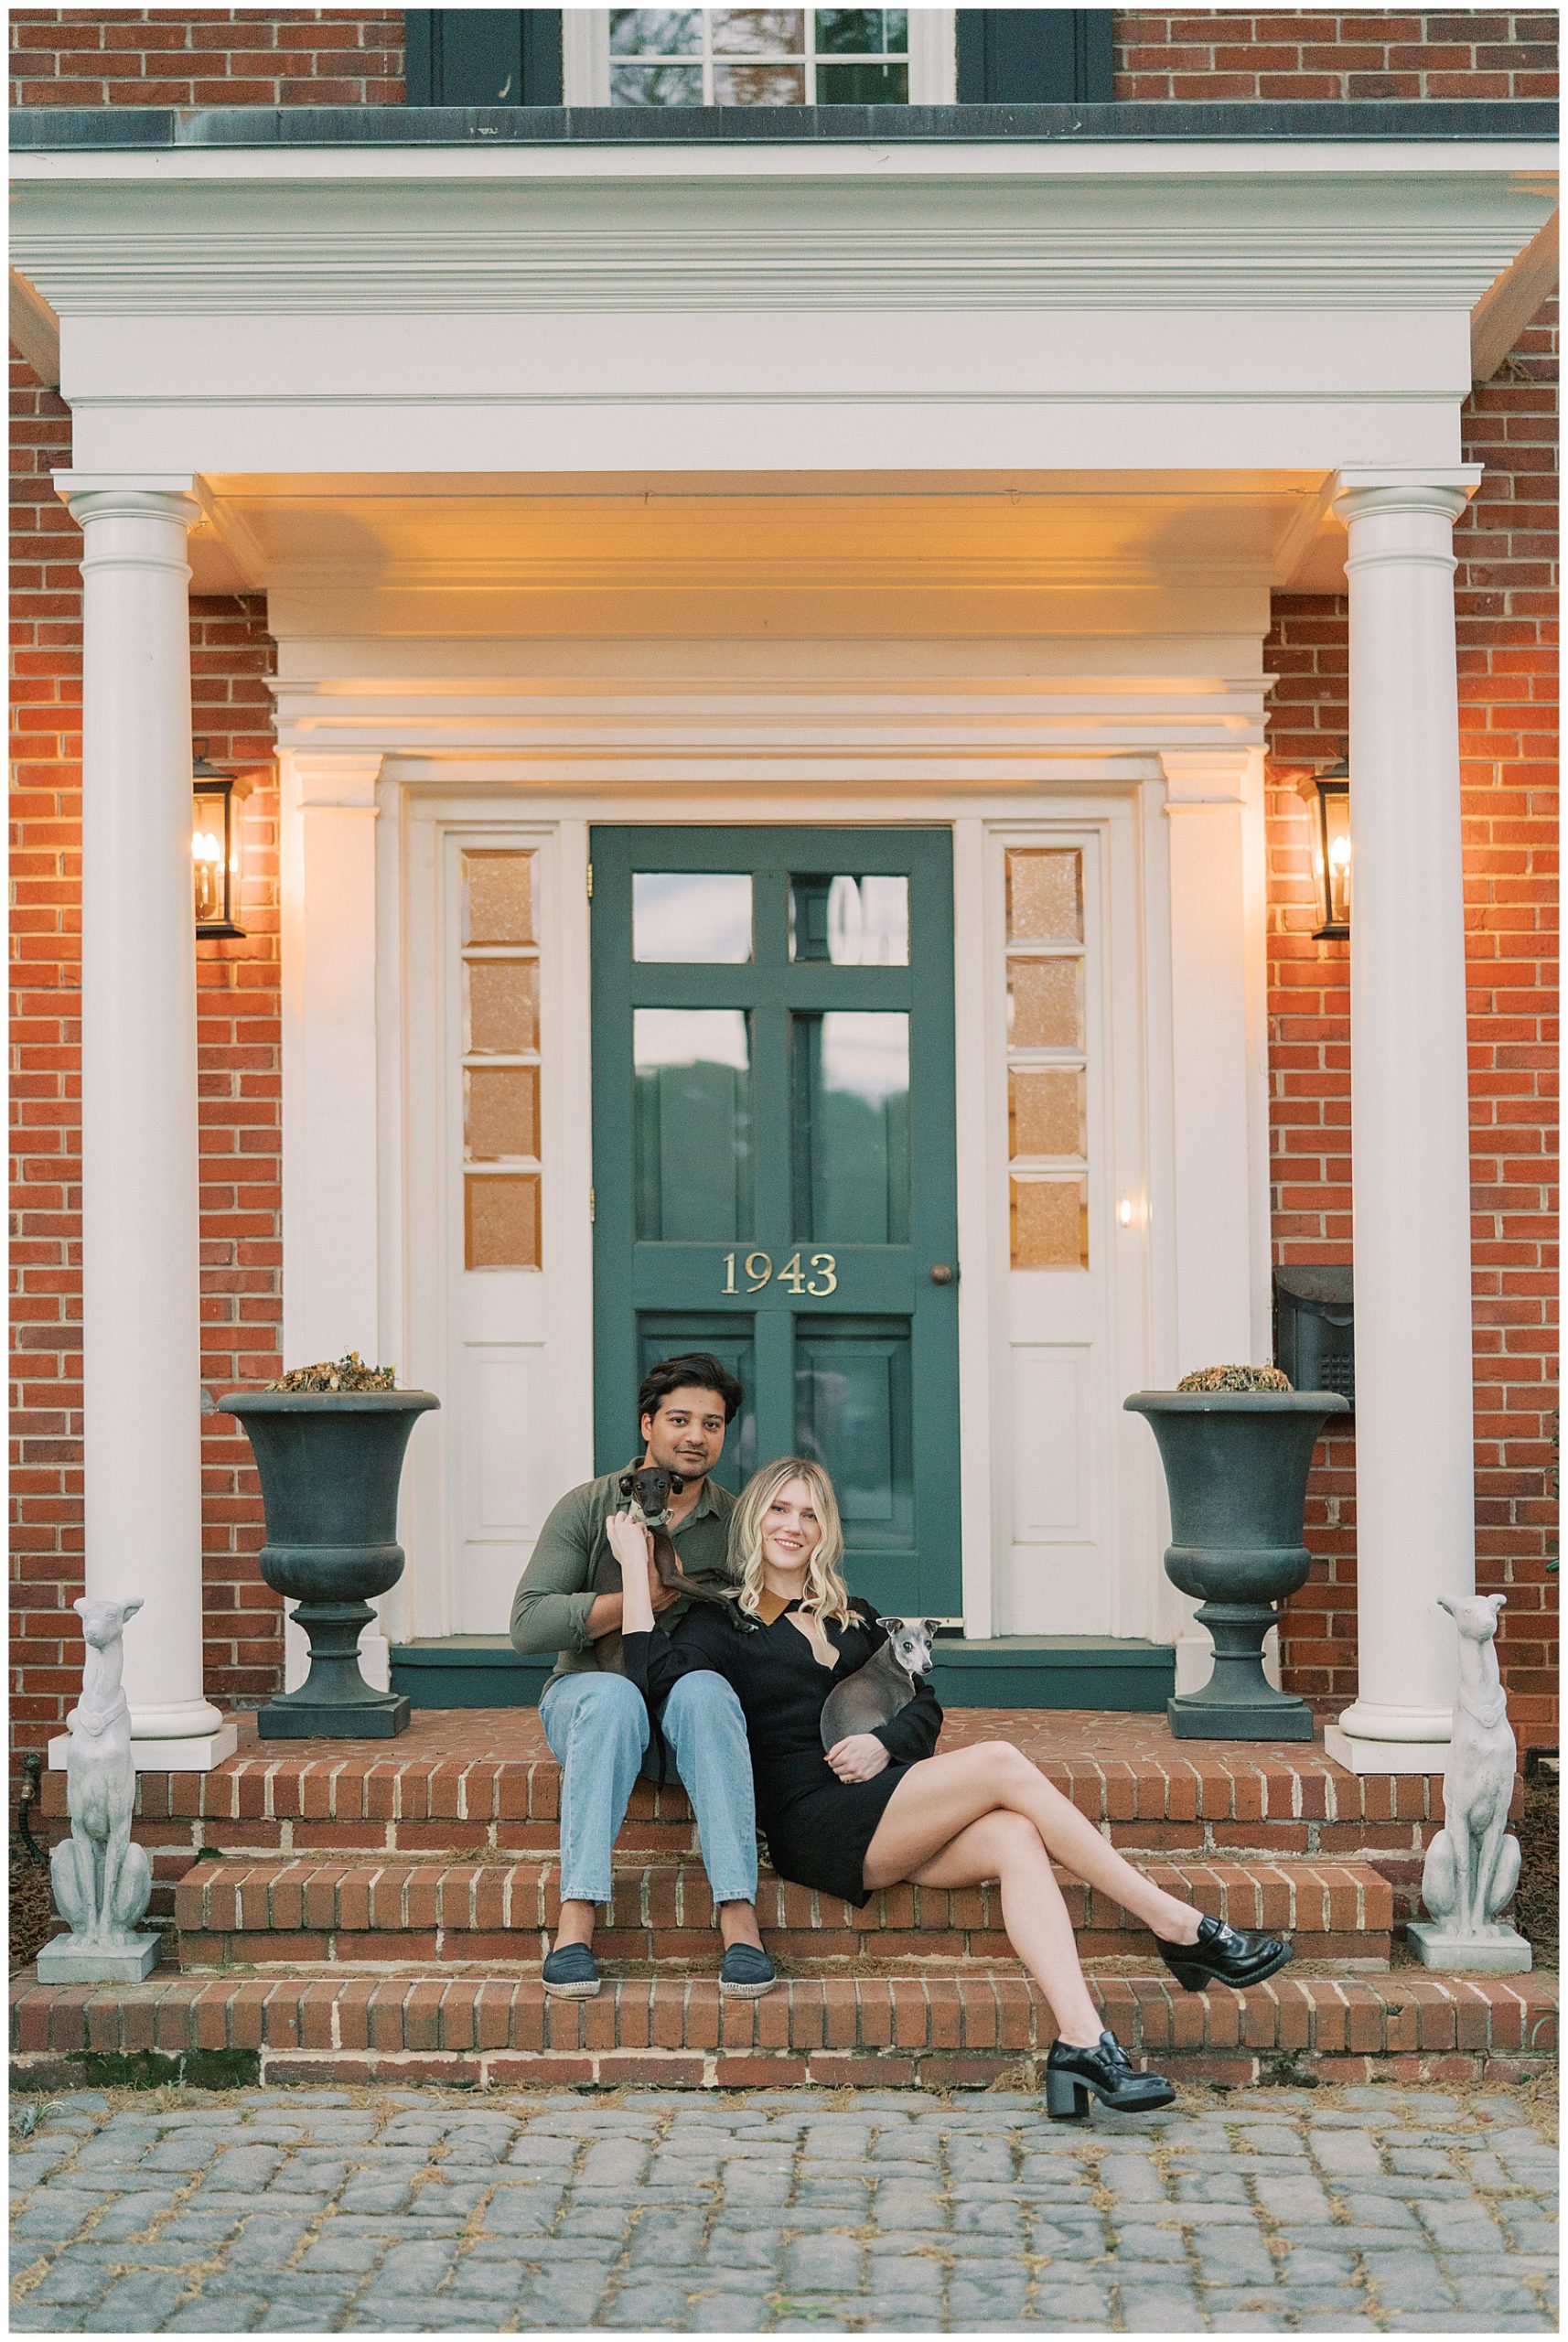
1115	800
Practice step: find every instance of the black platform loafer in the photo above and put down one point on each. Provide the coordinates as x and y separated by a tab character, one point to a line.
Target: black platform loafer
1109	2073
570	1973
1223	1955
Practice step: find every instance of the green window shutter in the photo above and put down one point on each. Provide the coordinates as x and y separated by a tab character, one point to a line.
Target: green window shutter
1033	55
483	56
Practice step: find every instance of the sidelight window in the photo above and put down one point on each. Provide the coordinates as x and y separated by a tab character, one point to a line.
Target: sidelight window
500	1061
1047	1076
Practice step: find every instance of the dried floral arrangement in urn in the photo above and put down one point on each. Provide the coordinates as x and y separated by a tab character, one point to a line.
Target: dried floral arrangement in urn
1236	1443
347	1373
329	1442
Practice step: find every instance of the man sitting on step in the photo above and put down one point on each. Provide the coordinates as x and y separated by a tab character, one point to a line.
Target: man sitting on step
597	1722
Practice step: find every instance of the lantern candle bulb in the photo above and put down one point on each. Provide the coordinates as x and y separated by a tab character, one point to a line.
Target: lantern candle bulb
1339	881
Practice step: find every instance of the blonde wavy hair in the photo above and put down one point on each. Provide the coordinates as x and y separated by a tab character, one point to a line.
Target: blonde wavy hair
826	1595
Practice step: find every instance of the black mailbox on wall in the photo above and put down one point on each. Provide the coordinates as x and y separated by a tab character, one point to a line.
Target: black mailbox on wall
1315	1340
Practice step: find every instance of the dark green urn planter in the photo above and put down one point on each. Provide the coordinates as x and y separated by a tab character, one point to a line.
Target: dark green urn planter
1236	1465
331	1462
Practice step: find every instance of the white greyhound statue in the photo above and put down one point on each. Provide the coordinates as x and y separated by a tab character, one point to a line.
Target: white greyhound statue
103	1881
1472	1865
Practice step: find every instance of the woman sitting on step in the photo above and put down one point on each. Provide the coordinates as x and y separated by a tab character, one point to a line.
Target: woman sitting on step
883	1807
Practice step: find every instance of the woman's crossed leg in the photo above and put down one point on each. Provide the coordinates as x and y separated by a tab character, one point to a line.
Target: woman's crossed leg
987	1812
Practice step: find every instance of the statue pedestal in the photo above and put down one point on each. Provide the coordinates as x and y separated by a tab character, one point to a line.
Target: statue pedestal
67	1961
1505	1953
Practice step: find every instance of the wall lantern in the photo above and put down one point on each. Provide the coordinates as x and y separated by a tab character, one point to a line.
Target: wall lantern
215	847
1327	793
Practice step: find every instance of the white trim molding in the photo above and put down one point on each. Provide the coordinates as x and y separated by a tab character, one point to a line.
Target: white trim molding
331	1186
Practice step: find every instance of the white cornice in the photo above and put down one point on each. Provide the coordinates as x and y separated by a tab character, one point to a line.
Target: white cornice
409	245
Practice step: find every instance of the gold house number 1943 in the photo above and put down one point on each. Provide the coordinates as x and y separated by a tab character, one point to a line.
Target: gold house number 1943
757	1270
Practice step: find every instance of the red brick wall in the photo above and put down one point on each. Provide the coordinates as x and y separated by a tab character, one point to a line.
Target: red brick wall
62	56
238	1039
1507	633
1213	53
207	57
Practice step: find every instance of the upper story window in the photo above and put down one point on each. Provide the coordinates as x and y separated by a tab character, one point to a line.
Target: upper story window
758	57
641	58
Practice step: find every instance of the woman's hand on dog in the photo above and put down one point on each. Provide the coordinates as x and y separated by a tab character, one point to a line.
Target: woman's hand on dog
860	1757
631	1542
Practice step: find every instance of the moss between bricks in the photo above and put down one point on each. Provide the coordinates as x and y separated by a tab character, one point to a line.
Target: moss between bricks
158	2069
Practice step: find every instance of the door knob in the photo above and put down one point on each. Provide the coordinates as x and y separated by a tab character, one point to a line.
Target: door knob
941	1273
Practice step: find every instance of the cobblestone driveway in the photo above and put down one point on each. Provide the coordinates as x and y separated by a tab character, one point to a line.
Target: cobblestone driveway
395	2210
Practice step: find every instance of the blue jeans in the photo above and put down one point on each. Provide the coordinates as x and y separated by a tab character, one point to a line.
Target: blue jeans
598	1730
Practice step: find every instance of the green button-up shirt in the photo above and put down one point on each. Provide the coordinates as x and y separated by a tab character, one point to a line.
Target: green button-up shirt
550	1609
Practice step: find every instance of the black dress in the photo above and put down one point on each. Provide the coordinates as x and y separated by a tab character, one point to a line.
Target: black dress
817	1827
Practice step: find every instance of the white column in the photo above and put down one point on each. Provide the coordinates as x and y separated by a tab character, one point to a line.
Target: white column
330	1205
1416	1515
1218	1089
141	1306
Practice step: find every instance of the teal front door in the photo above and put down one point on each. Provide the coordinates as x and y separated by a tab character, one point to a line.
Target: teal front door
774	1167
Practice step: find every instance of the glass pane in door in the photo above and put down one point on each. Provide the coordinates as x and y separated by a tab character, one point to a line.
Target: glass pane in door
691	1117
698	916
851	922
851	1080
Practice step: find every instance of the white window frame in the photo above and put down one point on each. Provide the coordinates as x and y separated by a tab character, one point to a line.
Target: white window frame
933	56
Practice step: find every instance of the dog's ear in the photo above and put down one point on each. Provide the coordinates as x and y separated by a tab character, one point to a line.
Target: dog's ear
676	1483
931	1626
129	1609
1498	1601
627	1482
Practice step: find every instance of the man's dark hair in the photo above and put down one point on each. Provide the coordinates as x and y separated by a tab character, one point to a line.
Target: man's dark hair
696	1370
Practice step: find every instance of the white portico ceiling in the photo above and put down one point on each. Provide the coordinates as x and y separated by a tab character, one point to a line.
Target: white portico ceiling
527	555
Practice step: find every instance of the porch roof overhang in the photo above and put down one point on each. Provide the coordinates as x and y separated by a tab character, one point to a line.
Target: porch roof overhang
436	382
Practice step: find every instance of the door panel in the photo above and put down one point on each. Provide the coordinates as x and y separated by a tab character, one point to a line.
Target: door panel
773	1055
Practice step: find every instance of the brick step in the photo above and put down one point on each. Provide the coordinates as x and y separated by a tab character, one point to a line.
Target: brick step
963	2030
239	1913
480	1781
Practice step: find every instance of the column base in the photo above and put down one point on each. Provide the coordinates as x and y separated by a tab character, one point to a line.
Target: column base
202	1752
1502	1954
1359	1756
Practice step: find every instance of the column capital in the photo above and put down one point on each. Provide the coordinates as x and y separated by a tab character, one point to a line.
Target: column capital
1362	489
1205	781
337	783
131	496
